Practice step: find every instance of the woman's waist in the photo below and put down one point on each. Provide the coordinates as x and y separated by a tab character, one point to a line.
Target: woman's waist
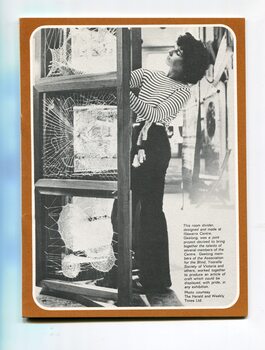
141	124
154	131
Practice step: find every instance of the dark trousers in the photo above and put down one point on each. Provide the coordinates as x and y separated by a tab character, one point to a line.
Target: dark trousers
150	241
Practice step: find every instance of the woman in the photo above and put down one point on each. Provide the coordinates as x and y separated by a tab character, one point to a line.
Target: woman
159	100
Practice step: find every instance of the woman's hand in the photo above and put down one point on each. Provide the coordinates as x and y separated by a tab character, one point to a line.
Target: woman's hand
139	158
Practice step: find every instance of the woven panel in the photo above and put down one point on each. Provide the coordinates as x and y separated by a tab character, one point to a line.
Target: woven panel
80	135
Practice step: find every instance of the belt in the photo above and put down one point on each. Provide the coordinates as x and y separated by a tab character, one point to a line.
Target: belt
159	124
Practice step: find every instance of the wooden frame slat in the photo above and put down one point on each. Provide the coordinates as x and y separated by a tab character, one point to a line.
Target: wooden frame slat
43	54
40	241
78	184
77	82
38	139
136	44
124	146
83	188
136	38
87	290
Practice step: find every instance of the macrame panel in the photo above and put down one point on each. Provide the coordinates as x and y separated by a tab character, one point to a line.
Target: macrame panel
80	244
80	50
80	135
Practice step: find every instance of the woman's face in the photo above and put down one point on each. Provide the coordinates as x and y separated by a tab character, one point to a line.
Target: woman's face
175	58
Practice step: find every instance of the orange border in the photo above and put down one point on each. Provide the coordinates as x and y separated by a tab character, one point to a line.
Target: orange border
29	308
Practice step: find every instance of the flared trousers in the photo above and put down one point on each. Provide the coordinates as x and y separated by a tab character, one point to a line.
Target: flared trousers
150	240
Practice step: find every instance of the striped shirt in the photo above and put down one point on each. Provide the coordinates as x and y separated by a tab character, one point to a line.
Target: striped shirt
160	97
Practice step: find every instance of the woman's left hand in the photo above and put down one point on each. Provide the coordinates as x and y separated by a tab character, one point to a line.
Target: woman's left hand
139	158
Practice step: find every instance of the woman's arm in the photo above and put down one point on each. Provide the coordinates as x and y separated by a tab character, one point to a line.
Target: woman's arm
164	111
136	78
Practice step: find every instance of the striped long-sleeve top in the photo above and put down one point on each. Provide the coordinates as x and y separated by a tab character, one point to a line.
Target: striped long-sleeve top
160	97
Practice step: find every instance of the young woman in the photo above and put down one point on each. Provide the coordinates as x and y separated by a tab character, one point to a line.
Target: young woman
160	98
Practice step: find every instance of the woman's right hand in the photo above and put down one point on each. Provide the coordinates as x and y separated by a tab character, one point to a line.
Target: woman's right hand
139	158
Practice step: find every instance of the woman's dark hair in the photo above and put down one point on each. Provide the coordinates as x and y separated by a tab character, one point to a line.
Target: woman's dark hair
195	58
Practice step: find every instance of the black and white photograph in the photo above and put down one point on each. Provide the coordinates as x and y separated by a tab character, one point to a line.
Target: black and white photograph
134	167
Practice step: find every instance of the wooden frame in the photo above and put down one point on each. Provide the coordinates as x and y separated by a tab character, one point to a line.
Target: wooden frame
91	188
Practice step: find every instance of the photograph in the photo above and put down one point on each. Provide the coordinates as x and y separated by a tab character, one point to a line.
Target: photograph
133	174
